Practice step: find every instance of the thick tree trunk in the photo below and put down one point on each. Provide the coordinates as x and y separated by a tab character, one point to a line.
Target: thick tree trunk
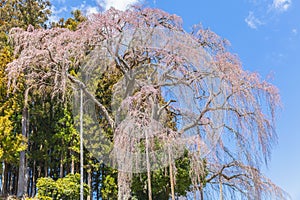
61	167
221	188
29	190
39	171
11	181
4	179
89	197
46	169
15	183
26	180
148	169
21	177
171	176
195	195
149	184
124	183
72	166
172	182
33	179
2	175
22	166
201	193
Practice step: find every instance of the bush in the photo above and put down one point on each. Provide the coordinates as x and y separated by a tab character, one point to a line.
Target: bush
67	188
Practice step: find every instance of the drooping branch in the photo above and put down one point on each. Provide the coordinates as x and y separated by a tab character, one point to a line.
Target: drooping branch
103	110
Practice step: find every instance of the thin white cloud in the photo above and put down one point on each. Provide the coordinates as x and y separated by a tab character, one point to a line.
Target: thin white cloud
80	7
252	21
86	9
91	10
61	1
55	13
295	31
53	18
264	12
281	5
61	10
118	4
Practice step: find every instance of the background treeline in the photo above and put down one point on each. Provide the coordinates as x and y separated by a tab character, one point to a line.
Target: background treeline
42	140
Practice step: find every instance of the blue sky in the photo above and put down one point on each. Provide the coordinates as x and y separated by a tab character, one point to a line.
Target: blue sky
266	36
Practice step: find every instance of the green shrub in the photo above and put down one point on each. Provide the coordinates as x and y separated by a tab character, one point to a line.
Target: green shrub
67	188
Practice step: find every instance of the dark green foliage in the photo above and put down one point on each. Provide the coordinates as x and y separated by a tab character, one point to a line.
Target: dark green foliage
183	180
21	13
109	189
161	188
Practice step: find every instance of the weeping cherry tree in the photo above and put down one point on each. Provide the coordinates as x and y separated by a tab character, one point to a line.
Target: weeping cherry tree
222	115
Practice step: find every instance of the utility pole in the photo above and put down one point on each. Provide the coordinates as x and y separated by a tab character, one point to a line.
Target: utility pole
81	144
